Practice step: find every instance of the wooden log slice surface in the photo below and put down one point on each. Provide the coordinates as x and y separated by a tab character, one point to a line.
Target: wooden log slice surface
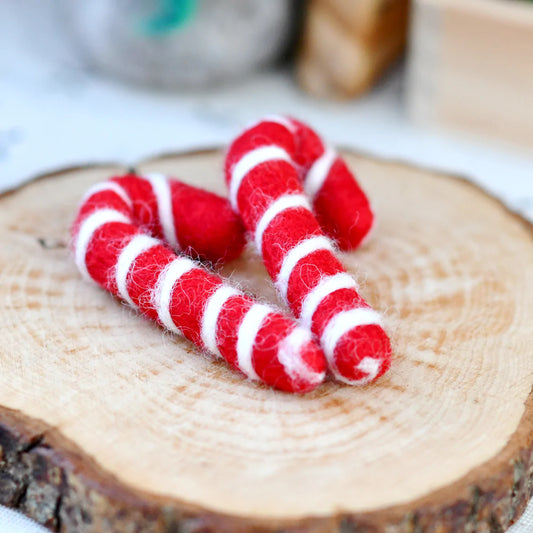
109	424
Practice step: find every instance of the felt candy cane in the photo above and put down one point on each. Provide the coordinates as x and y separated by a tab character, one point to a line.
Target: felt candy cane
111	248
266	191
189	219
340	205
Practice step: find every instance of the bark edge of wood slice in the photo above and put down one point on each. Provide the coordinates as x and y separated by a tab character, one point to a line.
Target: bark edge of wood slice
85	441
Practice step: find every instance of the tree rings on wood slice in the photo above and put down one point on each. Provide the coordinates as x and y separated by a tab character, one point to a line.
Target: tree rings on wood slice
109	424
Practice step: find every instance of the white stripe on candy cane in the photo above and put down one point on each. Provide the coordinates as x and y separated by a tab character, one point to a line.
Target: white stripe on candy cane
289	201
138	244
108	186
294	255
289	355
161	189
249	161
317	174
164	289
326	286
210	316
87	229
343	322
248	330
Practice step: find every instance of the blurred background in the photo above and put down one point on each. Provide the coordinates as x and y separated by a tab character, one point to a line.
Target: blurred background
446	84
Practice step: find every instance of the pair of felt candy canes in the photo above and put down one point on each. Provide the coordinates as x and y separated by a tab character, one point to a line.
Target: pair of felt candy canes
136	236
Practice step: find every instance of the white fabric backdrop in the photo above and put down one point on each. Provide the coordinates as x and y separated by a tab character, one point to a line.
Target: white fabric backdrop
54	112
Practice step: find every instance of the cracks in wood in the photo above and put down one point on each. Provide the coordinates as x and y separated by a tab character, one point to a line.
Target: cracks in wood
471	519
50	243
516	496
346	526
34	442
495	525
57	512
170	519
413	523
20	496
529	487
30	482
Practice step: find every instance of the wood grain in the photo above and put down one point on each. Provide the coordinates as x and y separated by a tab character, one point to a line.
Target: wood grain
109	424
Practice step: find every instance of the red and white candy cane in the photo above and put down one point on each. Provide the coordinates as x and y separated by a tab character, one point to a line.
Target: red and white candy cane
111	248
340	205
192	220
265	189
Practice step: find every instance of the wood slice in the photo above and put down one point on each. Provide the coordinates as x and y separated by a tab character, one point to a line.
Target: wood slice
109	424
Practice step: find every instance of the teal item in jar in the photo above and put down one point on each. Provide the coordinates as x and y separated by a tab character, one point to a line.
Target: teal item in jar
170	16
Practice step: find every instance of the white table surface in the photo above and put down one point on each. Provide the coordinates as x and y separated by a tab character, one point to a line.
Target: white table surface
54	112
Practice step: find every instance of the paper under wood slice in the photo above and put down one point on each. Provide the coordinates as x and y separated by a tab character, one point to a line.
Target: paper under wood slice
108	424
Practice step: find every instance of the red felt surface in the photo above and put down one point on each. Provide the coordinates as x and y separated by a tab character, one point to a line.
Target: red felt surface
206	226
341	206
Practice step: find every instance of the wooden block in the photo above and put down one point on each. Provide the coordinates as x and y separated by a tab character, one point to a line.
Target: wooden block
108	424
471	67
336	62
369	19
